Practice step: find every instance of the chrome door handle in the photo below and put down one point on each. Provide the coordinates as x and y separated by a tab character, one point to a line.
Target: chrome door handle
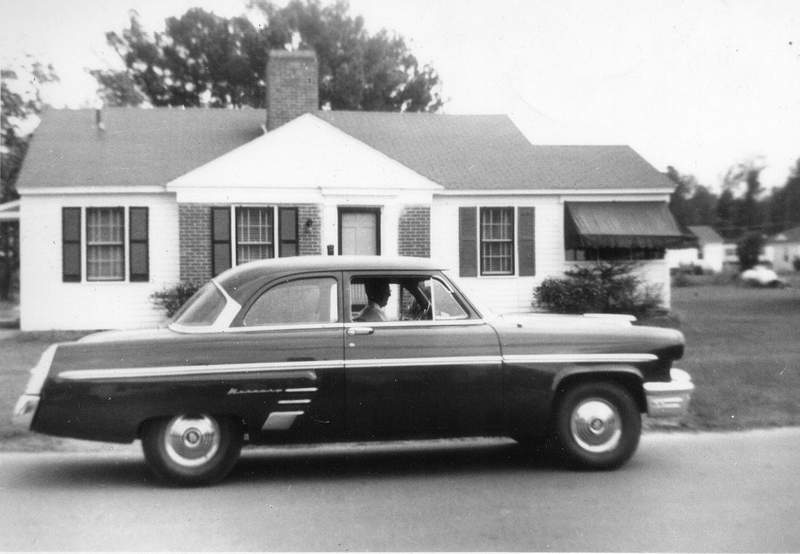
360	331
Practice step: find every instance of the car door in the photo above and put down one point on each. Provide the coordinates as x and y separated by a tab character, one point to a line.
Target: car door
294	327
424	371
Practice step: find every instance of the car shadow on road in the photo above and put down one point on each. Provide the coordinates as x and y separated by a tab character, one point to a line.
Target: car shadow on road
307	463
390	460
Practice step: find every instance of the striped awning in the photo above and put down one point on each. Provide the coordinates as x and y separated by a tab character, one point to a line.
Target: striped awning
621	225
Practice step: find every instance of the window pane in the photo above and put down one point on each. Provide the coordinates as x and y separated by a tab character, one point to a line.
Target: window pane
254	231
202	308
105	253
497	241
301	301
445	306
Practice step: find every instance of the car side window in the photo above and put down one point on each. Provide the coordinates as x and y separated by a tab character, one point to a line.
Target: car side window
294	302
445	306
400	298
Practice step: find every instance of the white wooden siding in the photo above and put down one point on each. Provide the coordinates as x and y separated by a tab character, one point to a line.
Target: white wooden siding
501	293
46	302
504	294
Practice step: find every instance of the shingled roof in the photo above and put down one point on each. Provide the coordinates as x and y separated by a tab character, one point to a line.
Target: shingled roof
460	152
488	152
137	147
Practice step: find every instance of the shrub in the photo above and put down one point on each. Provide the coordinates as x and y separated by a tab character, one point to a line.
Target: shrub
748	249
170	299
681	279
603	287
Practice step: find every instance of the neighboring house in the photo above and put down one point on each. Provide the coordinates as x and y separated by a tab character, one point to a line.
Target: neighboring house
783	249
711	250
111	213
708	252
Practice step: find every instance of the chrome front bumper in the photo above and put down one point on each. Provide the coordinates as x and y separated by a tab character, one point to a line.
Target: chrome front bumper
24	410
669	399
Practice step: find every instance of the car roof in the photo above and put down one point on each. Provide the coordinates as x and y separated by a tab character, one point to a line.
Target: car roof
241	281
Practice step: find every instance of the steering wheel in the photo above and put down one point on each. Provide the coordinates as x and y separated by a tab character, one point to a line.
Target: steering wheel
424	313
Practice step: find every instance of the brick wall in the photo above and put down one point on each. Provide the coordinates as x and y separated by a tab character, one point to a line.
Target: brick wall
310	238
414	233
292	88
195	238
194	227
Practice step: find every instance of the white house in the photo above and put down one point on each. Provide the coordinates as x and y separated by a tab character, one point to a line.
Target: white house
708	252
782	249
111	213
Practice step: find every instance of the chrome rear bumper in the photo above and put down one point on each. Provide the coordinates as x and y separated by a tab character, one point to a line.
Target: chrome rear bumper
24	410
669	399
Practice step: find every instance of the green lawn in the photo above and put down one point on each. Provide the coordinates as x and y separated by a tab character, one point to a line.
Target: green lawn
743	351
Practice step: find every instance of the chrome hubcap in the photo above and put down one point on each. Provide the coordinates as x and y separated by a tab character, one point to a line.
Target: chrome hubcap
595	425
191	441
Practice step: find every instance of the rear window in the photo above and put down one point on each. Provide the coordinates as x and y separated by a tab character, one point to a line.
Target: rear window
203	308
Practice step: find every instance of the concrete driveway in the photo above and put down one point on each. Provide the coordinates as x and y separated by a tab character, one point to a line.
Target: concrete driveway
681	492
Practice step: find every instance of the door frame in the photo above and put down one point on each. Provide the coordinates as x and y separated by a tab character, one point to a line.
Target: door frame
362	210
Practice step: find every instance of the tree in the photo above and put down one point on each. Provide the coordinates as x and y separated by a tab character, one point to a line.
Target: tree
691	203
205	59
18	104
748	249
785	202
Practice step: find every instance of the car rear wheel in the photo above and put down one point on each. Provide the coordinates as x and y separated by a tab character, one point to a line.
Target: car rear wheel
597	425
192	449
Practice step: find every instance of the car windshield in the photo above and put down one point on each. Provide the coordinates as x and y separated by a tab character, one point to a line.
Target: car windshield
202	308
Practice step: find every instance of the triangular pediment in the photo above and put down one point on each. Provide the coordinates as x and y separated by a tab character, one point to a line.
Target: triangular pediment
305	153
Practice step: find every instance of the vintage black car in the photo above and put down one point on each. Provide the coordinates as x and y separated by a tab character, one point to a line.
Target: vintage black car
312	349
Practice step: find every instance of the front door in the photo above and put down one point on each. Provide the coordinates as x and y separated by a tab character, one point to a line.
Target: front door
359	231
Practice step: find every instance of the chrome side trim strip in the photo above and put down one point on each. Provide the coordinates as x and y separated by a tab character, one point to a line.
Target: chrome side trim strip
296	401
192	370
419	323
578	358
280	421
310	366
400	362
303	389
274	328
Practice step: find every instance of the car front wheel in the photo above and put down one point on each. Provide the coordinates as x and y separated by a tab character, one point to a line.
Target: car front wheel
192	449
597	425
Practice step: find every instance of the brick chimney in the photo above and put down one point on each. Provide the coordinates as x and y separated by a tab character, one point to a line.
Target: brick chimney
292	86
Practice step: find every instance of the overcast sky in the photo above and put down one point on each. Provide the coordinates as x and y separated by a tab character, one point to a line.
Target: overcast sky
695	84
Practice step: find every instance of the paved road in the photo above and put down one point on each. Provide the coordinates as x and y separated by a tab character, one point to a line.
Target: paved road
681	492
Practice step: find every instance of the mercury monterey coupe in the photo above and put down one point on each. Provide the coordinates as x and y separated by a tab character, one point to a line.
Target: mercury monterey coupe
313	349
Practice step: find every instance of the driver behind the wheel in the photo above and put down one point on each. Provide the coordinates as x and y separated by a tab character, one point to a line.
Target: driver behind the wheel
378	293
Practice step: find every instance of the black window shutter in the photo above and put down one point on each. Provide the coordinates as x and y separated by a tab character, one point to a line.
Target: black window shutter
71	244
139	244
467	242
527	241
220	240
287	232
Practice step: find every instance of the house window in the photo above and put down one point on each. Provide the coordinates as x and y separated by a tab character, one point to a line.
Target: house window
497	241
105	244
254	234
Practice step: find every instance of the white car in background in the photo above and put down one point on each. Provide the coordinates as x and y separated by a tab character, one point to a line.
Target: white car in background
762	276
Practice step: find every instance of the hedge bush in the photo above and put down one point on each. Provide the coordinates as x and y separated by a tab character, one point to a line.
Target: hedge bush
170	299
600	288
